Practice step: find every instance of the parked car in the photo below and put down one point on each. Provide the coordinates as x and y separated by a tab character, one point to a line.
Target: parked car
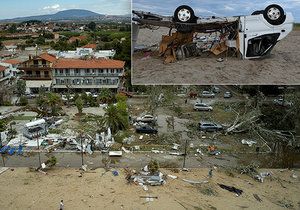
207	94
215	89
282	102
202	107
146	129
146	118
227	94
210	126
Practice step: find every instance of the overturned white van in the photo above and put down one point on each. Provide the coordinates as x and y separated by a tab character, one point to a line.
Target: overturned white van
251	36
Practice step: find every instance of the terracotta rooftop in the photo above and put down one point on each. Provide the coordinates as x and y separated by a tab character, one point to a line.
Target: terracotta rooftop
74	38
93	46
12	61
2	68
48	57
88	64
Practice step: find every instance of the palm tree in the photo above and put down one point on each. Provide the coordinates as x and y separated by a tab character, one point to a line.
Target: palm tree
115	118
54	102
105	96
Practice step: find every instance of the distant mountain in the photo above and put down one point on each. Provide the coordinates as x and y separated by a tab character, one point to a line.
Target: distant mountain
71	14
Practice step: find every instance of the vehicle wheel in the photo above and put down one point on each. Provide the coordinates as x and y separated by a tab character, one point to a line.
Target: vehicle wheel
258	12
274	14
184	14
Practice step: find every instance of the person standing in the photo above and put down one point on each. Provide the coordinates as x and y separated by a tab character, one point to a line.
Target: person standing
61	205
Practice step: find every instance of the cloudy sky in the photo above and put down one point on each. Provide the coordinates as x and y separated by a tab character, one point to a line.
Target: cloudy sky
22	8
215	7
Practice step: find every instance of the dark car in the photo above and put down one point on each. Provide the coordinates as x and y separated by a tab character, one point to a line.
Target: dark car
210	127
146	129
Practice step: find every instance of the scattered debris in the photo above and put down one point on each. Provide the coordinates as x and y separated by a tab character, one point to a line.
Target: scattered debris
248	142
257	198
260	177
115	173
220	59
115	153
195	182
238	192
125	150
172	176
3	169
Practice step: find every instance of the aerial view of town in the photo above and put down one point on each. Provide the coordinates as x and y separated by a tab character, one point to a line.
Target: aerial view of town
75	133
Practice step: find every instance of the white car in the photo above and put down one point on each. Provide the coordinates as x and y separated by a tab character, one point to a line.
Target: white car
146	118
281	102
207	94
202	107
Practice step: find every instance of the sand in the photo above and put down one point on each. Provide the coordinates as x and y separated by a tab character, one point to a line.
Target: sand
22	189
281	67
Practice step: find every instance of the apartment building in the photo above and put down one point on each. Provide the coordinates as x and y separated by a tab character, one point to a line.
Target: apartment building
87	75
37	72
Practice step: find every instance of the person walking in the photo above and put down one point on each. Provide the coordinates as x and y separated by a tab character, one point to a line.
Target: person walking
61	205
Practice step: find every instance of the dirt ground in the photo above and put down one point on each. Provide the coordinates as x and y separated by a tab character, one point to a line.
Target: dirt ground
22	189
281	67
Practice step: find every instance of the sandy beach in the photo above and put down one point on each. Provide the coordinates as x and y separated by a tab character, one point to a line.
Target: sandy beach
97	189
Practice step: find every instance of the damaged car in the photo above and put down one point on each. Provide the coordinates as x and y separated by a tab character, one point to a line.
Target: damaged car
247	36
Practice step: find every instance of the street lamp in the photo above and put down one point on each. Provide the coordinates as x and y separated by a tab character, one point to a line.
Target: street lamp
185	148
38	145
81	149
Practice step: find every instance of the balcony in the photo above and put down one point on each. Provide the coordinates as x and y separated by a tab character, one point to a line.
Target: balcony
36	77
35	66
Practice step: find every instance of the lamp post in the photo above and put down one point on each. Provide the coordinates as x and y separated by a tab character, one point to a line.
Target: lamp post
81	149
38	145
185	148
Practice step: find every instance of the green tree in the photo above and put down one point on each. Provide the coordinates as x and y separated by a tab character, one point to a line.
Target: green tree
12	28
79	105
49	103
105	96
115	119
92	26
21	87
23	101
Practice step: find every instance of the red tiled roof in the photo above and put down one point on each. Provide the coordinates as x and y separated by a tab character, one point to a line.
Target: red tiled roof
89	64
80	38
93	46
2	68
12	61
48	57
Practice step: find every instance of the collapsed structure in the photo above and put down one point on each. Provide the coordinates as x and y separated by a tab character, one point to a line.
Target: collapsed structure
249	37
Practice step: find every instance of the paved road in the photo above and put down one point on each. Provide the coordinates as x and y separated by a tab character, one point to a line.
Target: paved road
134	160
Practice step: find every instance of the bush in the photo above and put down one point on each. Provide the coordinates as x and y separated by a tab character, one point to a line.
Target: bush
23	101
153	166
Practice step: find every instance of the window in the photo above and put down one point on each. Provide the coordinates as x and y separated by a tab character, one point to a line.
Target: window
46	73
57	81
56	72
67	72
61	71
77	72
100	71
87	71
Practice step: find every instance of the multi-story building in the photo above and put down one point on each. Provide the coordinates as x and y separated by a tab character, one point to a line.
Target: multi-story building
5	75
37	72
87	75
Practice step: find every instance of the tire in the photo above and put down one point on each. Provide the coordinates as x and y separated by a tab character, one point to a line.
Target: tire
184	14
274	14
258	12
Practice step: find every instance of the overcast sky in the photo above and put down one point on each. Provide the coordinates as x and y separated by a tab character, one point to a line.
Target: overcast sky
23	8
215	7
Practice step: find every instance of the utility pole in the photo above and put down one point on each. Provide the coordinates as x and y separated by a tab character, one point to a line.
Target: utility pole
185	148
184	153
81	149
38	145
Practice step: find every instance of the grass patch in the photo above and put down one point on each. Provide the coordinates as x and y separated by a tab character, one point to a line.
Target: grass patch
23	117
